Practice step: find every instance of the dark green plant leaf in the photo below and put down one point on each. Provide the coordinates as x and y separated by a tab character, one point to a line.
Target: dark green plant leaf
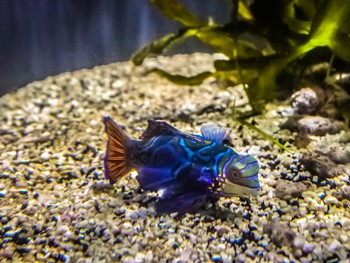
256	42
244	64
158	46
244	11
298	15
183	80
174	10
241	45
328	29
306	10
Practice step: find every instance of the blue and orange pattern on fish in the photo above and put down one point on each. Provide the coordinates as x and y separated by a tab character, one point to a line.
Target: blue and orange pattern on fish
188	168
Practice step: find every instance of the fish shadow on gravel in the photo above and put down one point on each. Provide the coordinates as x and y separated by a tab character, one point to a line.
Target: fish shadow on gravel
123	197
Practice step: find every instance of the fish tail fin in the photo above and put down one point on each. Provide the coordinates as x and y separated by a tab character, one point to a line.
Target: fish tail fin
115	161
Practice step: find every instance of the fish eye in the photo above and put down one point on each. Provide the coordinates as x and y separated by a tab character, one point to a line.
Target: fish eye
233	174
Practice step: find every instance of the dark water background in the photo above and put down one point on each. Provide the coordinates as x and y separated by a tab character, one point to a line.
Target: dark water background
40	38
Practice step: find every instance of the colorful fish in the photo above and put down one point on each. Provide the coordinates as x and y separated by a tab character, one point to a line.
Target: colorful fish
188	168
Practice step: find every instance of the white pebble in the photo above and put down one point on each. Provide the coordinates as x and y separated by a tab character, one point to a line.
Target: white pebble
62	229
250	253
311	194
140	257
117	84
308	248
331	200
334	245
74	103
128	259
221	247
45	156
185	255
299	241
241	258
343	238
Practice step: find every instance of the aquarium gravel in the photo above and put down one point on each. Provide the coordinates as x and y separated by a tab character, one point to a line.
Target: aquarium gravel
56	205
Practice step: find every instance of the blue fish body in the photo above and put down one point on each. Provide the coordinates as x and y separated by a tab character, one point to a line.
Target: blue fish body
188	168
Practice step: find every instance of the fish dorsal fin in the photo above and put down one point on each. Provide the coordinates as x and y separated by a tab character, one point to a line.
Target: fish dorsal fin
157	128
212	132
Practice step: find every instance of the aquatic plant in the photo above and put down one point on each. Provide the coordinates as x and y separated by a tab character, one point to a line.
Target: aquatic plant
267	43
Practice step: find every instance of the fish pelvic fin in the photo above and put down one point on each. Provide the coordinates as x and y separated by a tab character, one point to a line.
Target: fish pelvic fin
181	201
115	161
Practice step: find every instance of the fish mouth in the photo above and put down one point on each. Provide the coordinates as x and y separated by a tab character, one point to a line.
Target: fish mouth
231	189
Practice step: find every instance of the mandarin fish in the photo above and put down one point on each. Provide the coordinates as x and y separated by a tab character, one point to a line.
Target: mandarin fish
187	168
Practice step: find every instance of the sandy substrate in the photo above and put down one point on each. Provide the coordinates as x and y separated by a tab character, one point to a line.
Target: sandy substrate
55	205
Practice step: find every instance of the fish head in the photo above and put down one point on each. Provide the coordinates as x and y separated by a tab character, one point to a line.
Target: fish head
241	176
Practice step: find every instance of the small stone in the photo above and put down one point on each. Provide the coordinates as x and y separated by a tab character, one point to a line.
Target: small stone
41	257
186	254
226	257
45	156
250	253
116	202
6	253
299	241
334	245
149	256
241	258
310	195
223	230
216	258
23	191
343	238
24	250
62	229
221	247
128	259
117	84
140	257
58	188
21	184
331	200
298	253
308	248
82	224
306	101
40	241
